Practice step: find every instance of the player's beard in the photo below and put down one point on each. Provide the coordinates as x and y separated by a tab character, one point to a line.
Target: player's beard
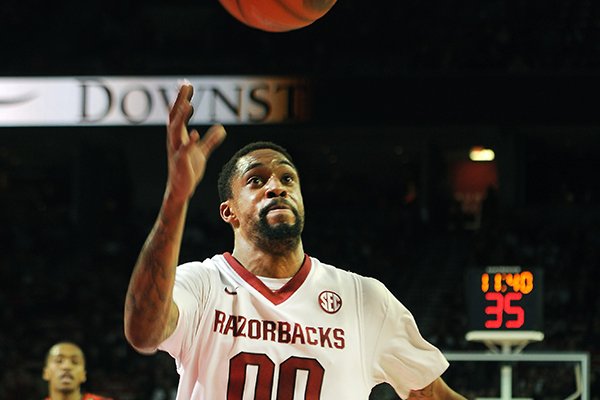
282	237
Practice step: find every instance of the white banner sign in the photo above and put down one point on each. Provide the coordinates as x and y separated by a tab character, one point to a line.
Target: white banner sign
97	100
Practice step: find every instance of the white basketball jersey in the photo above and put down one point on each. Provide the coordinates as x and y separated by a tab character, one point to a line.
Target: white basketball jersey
327	334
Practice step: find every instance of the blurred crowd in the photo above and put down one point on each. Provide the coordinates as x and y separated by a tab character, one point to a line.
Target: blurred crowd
64	269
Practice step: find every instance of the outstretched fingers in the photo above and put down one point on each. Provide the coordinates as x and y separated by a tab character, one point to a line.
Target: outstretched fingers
179	115
213	137
184	95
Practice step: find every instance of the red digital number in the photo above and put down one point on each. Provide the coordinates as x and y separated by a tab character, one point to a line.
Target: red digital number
514	310
503	304
497	310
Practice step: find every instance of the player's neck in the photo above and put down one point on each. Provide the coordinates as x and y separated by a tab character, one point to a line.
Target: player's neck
263	263
57	395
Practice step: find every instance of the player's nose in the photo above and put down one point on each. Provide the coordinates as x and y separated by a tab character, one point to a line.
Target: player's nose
275	188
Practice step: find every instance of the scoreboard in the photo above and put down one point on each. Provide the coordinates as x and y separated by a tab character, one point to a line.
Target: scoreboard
505	298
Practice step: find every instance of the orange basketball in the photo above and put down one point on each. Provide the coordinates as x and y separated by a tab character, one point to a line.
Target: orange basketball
277	15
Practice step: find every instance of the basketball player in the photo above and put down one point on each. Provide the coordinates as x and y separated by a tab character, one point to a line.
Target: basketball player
65	372
266	321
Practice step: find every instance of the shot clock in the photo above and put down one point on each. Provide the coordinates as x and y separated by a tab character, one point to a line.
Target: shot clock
505	298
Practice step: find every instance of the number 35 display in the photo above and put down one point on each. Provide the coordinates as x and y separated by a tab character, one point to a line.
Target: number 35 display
505	298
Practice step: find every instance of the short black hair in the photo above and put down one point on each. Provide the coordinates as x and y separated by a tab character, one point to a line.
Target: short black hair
229	169
64	342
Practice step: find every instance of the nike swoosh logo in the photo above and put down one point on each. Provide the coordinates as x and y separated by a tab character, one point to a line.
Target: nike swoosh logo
230	291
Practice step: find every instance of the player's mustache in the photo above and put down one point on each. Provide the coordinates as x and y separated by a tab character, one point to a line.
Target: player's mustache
277	203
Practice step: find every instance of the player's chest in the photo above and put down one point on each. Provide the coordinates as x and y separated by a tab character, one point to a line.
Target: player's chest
321	318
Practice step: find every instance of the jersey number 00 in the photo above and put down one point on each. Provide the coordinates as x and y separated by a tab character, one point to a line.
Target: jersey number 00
286	383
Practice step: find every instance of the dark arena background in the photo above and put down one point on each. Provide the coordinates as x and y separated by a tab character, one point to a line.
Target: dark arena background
401	92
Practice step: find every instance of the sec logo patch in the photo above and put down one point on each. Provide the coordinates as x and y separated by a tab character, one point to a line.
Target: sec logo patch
330	302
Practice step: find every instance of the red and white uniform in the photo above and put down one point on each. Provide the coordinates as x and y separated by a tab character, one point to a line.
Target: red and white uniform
327	334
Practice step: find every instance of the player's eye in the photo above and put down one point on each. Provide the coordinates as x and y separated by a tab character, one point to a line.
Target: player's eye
255	180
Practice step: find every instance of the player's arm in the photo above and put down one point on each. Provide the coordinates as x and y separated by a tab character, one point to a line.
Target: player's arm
436	390
150	315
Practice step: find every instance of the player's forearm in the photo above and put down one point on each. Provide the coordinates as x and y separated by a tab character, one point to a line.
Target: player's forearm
148	303
444	392
437	390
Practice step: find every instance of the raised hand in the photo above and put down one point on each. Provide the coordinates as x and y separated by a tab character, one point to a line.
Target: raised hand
187	152
150	314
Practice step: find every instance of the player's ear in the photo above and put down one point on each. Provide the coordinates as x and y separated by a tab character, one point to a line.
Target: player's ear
46	374
227	212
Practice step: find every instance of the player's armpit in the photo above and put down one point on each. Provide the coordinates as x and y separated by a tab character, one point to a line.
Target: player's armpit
171	321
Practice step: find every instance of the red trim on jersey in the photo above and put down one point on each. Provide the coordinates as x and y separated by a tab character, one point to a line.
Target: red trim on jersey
278	296
89	396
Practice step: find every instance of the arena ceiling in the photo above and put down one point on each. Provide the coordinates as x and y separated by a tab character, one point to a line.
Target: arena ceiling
405	61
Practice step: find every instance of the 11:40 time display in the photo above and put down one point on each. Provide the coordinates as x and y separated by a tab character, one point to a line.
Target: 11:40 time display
504	298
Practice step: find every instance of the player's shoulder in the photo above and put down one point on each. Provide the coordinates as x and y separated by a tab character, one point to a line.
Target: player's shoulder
331	269
368	283
207	266
91	396
199	272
